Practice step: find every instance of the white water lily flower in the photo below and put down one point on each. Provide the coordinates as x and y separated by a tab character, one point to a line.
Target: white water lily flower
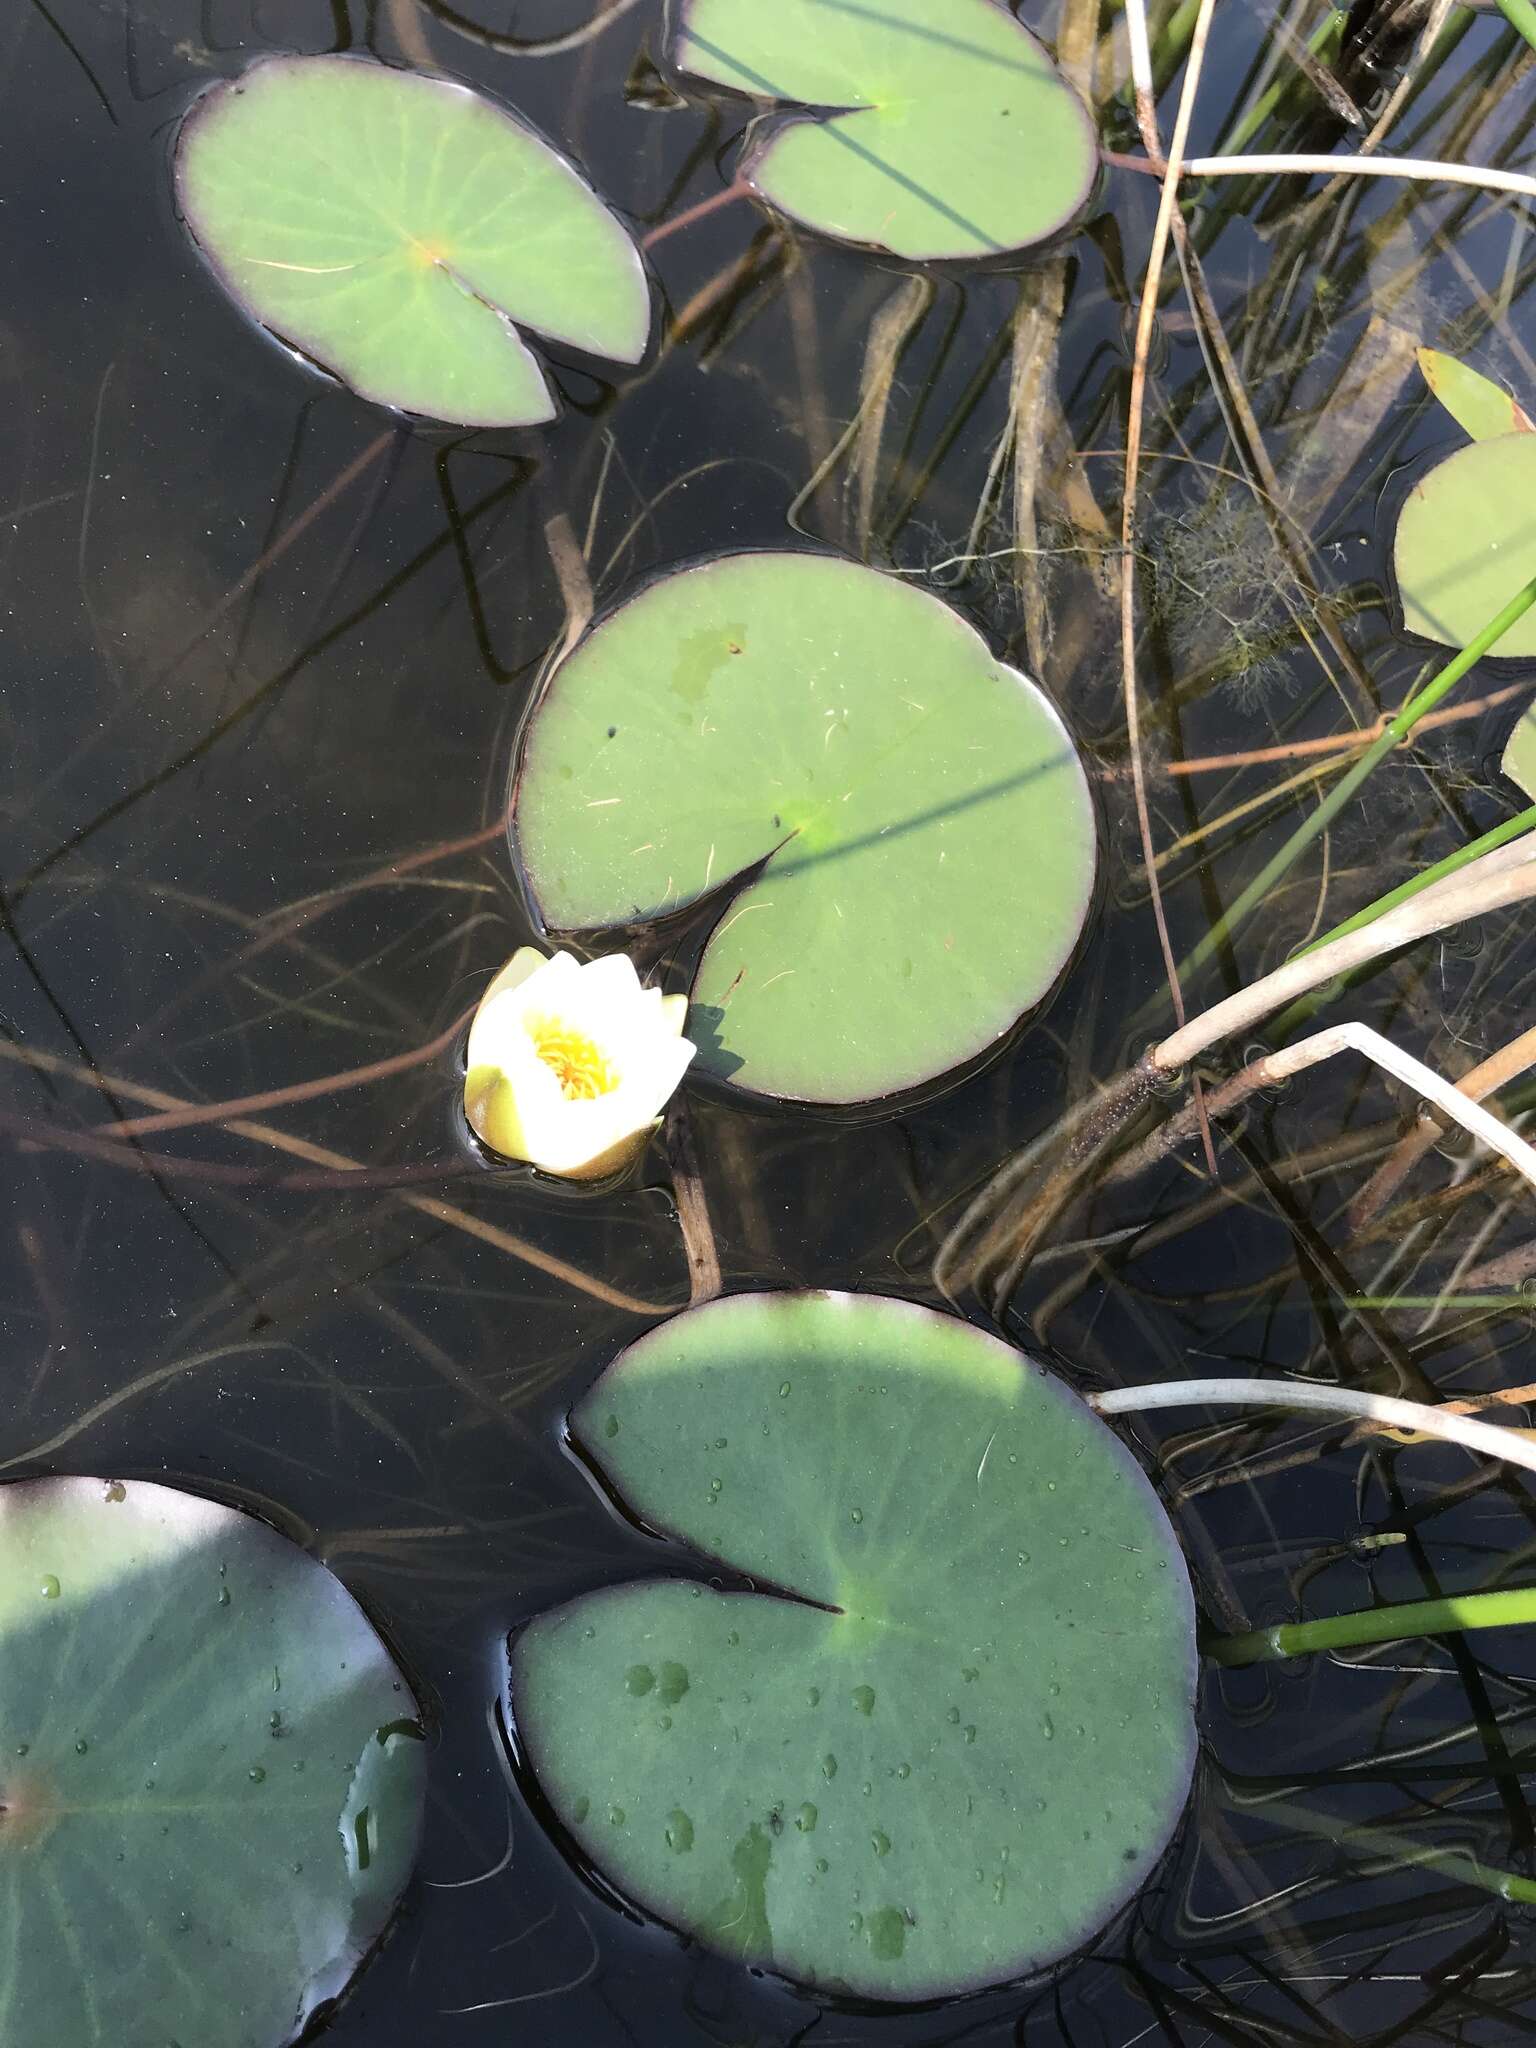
571	1064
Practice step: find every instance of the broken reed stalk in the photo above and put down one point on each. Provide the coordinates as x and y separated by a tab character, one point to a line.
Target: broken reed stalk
1383	1410
1504	876
1001	1226
1422	168
1485	1079
1146	112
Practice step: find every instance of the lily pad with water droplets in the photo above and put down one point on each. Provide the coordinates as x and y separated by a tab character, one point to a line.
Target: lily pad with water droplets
394	226
1466	544
960	1737
945	130
211	1773
902	823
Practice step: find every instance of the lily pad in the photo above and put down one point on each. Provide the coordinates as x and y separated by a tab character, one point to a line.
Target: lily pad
944	129
1466	544
901	822
211	1772
392	227
1480	407
960	1737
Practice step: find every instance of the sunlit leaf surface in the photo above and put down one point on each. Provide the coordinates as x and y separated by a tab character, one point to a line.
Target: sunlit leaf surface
946	131
959	1738
394	227
919	817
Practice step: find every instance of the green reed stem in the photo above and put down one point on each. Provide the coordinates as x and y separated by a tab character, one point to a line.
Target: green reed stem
1396	731
1521	16
1511	1609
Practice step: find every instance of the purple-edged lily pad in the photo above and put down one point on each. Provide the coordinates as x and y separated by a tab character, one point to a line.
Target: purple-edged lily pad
394	226
211	1773
957	1739
944	129
902	821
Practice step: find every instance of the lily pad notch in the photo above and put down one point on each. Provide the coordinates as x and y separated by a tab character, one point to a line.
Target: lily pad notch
893	827
211	1772
961	1737
942	130
397	229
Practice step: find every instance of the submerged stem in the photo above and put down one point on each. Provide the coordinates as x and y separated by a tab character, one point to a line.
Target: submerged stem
1397	729
1352	1835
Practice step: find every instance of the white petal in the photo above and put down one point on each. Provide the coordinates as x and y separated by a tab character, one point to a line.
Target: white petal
651	1079
613	978
525	961
499	1019
518	1105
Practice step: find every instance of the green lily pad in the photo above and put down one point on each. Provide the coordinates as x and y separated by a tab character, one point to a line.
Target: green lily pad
1478	405
959	1738
211	1773
946	130
902	822
393	226
1466	544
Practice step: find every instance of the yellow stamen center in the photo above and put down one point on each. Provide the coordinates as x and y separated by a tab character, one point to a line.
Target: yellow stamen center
576	1063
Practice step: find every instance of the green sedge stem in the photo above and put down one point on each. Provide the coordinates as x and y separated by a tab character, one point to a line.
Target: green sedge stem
1511	1609
1521	16
1306	1007
1397	730
1500	835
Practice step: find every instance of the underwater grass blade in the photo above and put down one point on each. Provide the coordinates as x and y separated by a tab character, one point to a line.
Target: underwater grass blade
1399	729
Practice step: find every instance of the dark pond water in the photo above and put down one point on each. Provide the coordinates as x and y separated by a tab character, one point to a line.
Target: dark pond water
265	654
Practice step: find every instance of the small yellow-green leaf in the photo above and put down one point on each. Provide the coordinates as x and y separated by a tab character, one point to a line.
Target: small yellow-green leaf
1466	544
1475	402
1519	761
